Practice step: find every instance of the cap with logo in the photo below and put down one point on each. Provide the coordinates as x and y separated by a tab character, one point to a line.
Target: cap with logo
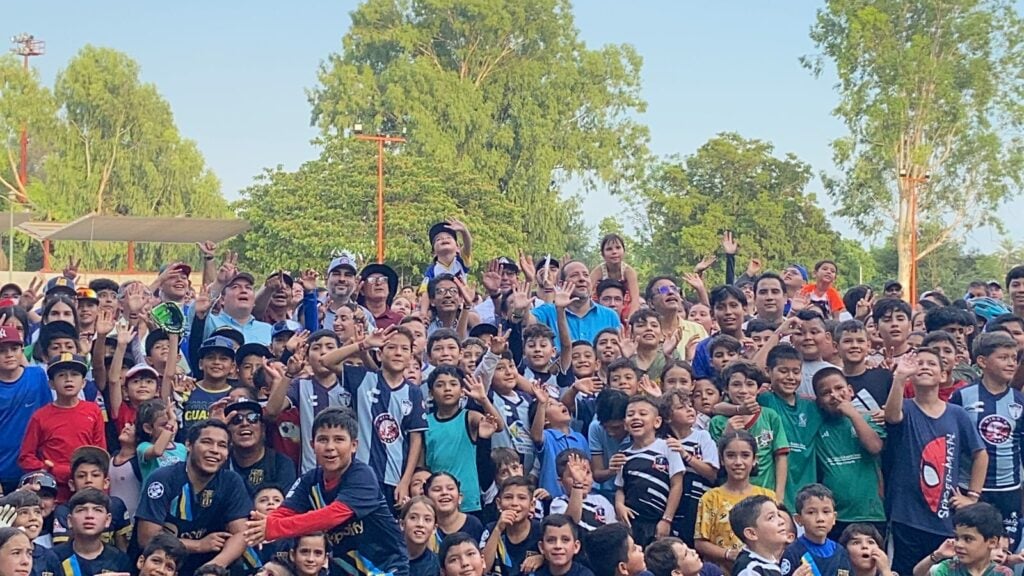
507	263
243	404
67	361
10	335
233	334
61	285
344	259
86	294
47	483
288	327
218	344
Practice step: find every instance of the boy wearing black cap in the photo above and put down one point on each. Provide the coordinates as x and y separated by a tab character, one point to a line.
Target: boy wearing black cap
217	361
248	359
56	430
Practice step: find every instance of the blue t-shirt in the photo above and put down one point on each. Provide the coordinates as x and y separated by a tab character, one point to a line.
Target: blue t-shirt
827	558
555	443
427	564
18	401
583	327
926	469
702	360
197	407
601	443
368	544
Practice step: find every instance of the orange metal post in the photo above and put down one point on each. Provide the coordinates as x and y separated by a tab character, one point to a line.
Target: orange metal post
380	201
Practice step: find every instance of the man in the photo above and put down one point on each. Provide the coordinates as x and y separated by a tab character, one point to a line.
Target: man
664	296
379	286
893	289
995	290
769	298
1015	286
274	300
250	458
507	275
238	299
172	284
201	503
341	288
611	293
586	318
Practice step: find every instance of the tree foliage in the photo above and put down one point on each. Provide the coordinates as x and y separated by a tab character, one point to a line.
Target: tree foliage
931	93
504	89
732	183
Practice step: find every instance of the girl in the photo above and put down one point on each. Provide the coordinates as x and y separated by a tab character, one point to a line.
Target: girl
15	553
419	524
677	375
714	537
699	454
125	475
613	252
155	427
444	490
309	556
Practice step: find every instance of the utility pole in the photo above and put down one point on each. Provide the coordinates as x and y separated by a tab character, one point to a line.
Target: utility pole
26	46
380	139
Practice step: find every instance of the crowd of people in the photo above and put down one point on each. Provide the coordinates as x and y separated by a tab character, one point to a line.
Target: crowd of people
525	415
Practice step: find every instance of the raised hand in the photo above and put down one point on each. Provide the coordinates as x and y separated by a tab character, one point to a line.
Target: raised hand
274	372
298	340
801	301
527	266
380	338
648	387
519	300
626	344
492	277
488	426
586	385
705	263
672	341
577	468
7	515
71	270
693	281
207	248
467	293
540	392
906	367
499	342
563	295
134	297
754	267
104	322
456	225
864	306
32	294
729	245
203	303
308	278
228	268
125	335
474	388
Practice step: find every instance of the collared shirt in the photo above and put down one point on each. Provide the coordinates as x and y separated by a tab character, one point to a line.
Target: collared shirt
253	330
584	327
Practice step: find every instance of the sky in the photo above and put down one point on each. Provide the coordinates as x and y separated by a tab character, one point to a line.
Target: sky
236	74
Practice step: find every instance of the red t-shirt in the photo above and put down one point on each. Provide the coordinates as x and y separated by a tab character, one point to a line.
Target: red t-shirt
126	415
55	432
944	393
283	434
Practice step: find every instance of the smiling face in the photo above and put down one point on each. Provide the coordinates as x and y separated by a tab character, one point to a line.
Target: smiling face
445	493
1000	366
518	499
770	298
141	388
309	555
786	376
396	354
245	433
738	459
210	450
217	365
584	361
559	546
729	315
930	372
539	352
341	283
30	520
832	391
624	379
853	346
419	524
446	296
642	420
647	332
157	564
463	559
814	339
334	448
608	347
677	378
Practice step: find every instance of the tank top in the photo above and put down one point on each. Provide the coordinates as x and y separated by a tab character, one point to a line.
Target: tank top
451	449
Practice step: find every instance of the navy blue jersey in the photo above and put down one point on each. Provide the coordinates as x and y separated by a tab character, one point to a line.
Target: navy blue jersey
370	543
472	526
510	554
427	564
999	419
169	500
110	560
827	558
274	469
120	522
196	407
311	398
44	562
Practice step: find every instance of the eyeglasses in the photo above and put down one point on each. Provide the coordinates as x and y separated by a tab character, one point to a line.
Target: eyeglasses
377	280
447	291
251	418
668	289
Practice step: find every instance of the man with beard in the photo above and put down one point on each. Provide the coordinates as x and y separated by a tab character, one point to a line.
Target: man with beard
586	317
450	305
342	287
250	458
379	283
664	295
198	501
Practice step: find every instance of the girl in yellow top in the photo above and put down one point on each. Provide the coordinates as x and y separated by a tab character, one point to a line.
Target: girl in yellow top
714	537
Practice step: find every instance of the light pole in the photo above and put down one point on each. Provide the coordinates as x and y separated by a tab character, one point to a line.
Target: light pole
26	46
380	139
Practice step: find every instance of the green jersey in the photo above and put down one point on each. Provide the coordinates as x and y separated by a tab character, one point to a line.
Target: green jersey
850	471
770	435
801	422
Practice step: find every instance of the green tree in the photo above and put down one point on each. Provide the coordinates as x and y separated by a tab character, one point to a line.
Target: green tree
931	95
732	183
24	103
501	88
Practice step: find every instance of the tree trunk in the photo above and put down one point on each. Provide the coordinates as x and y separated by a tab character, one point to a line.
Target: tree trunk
904	239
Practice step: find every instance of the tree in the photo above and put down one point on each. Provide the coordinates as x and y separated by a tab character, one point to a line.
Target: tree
931	94
736	184
24	103
501	88
329	204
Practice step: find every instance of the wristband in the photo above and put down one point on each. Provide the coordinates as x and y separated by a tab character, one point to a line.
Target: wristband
933	559
664	519
207	258
974	494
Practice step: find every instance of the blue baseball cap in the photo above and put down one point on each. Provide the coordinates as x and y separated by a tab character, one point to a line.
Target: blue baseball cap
285	327
218	344
344	259
61	285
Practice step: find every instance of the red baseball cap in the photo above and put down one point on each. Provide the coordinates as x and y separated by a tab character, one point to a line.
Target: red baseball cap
10	335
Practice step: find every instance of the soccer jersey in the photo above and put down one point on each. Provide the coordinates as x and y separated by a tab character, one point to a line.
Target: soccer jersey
849	470
953	567
999	419
110	560
554	443
801	422
120	522
273	469
596	511
18	401
515	409
368	544
171	455
750	563
449	448
827	558
870	389
196	407
170	501
472	526
769	433
387	416
510	555
311	398
426	564
700	445
45	562
646	478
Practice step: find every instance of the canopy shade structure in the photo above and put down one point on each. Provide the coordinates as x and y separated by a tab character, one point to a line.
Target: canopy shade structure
160	230
18	218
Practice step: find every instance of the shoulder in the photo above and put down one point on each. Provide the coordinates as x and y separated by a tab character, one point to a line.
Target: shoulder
62	551
358	474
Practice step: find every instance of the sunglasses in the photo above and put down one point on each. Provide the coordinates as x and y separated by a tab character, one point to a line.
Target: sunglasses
251	418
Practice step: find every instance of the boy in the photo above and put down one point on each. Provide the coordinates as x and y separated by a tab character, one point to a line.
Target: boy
742	381
28	517
759	331
57	429
449	257
612	552
756	520
514	407
892	319
552	434
559	545
86	554
816	513
823	290
997	411
161	557
590	510
929	436
623	376
671	556
870	385
506	463
24	390
248	359
539	362
848	447
978	528
648	342
512	539
729	306
89	466
341	496
724	350
460	556
800	417
866	549
44	485
946	345
813	341
607	438
217	361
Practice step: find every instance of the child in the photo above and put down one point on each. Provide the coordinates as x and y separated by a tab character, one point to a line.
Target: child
89	466
460	556
724	350
848	447
816	513
86	554
341	496
995	410
449	257
268	498
452	431
559	545
28	517
155	428
57	429
125	475
671	556
946	345
419	480
870	385
623	376
588	509
506	464
43	485
581	397
705	397
758	522
715	539
978	528
823	289
814	341
742	381
865	547
929	436
309	556
650	483
539	351
444	490
514	407
419	522
551	434
678	374
801	419
699	454
892	317
140	382
162	556
608	348
249	358
607	438
650	356
513	538
217	362
759	331
612	552
472	351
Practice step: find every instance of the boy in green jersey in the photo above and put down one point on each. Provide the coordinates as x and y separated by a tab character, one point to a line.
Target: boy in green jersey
848	447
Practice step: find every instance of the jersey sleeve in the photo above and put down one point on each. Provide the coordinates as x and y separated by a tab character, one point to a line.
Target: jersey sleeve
416	419
360	492
155	502
675	461
708	449
297	498
780	443
717	427
238	504
559	505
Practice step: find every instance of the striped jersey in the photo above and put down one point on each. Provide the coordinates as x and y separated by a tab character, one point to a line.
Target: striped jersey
596	511
646	478
311	398
998	419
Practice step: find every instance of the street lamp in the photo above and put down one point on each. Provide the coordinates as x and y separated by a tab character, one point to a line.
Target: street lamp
380	139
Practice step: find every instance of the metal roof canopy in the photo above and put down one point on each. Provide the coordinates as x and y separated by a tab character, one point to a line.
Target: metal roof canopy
164	230
19	218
